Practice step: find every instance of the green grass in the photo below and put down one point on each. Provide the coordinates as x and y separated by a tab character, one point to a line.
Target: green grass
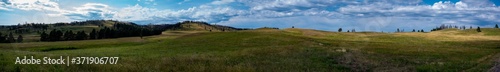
264	50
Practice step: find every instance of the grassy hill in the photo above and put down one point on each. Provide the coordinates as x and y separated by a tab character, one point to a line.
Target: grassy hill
199	26
272	50
31	31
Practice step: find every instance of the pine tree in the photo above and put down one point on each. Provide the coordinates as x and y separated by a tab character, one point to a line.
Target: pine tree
340	29
142	32
55	35
478	29
422	30
398	30
69	35
496	26
81	35
93	34
44	36
414	30
19	38
11	38
2	38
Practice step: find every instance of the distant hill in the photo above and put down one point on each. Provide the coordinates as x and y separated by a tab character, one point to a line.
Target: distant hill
87	26
200	26
454	31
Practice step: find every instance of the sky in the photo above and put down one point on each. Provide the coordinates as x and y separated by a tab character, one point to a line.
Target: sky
362	15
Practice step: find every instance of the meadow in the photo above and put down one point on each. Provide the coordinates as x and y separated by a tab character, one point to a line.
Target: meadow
273	50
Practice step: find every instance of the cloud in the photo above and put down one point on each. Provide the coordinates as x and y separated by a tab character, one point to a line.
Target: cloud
369	15
479	3
141	14
440	9
3	7
219	2
38	5
90	11
7	9
285	5
85	12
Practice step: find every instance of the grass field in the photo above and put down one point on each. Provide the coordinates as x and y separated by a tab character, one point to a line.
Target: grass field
273	50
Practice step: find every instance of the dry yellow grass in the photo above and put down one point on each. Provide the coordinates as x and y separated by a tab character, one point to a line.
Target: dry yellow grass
350	36
450	35
171	34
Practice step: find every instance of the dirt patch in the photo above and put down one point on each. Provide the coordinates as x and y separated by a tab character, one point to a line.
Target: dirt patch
496	66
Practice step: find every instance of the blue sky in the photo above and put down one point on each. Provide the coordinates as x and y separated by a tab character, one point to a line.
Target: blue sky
362	15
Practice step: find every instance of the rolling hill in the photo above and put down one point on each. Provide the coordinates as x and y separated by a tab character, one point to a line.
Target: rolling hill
199	26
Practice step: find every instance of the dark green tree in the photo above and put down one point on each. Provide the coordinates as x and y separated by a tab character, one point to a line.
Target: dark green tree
414	30
44	36
478	29
11	38
340	29
69	35
422	30
2	38
55	35
93	34
81	35
496	26
19	38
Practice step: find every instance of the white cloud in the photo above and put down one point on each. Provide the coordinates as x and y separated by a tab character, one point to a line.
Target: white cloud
201	13
479	3
135	13
39	5
7	9
380	14
89	11
219	2
285	4
3	7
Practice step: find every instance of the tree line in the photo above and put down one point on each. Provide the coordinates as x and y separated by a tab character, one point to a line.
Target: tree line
118	30
478	29
10	38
